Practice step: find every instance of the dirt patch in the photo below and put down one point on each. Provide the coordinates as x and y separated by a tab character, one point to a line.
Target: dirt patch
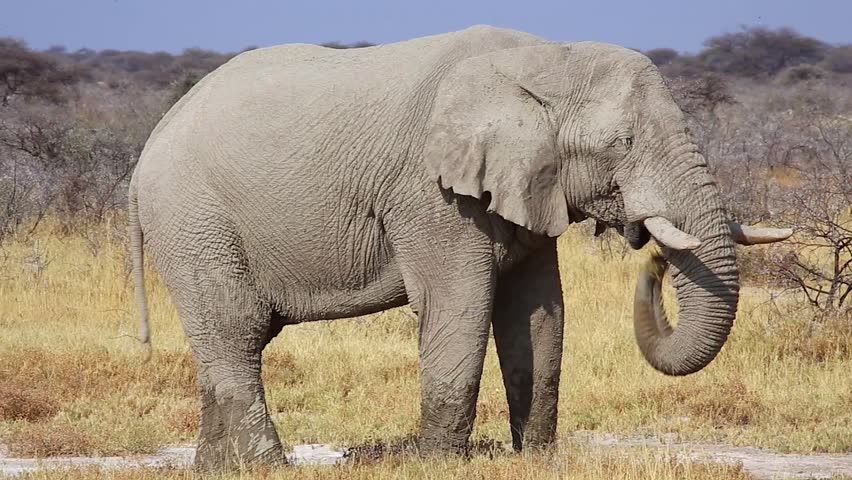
174	457
371	452
760	463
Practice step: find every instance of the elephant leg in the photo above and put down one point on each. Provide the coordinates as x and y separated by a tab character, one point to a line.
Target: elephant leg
228	327
236	429
453	299
528	322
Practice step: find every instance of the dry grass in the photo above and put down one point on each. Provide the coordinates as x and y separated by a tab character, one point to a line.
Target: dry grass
72	381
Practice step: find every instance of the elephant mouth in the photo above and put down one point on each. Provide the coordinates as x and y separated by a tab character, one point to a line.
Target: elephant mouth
635	233
609	213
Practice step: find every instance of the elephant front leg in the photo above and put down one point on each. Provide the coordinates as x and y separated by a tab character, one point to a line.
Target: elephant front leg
528	322
454	317
452	352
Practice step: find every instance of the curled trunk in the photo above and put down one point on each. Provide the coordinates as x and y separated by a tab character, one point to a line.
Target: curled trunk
705	278
707	290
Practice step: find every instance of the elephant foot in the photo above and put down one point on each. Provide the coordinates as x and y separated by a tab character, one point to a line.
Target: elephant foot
537	431
442	445
538	441
447	416
235	437
236	453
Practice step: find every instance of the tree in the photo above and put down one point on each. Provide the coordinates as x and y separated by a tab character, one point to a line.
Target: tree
759	51
839	59
661	56
26	73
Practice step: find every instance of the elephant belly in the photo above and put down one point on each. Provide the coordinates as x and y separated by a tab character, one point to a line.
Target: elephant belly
320	267
300	303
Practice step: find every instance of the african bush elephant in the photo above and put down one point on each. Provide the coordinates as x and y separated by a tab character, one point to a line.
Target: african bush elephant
299	183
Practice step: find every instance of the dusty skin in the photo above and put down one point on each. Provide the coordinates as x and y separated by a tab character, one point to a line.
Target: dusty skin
301	183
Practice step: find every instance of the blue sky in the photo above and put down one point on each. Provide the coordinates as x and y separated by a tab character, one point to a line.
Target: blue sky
173	25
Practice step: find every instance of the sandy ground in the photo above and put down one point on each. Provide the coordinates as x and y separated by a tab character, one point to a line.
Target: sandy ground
764	464
177	456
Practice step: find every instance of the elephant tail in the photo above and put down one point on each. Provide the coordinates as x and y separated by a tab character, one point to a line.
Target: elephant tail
134	231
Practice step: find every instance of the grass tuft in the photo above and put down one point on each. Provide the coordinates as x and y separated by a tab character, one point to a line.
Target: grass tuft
819	339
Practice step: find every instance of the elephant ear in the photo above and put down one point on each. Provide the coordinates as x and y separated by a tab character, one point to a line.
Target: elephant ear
490	131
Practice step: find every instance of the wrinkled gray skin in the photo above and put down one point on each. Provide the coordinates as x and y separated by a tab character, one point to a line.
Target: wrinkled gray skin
300	183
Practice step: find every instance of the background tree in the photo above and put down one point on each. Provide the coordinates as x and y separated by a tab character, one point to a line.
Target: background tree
662	56
839	59
759	51
26	73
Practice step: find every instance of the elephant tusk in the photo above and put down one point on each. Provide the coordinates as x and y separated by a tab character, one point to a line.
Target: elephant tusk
669	235
748	235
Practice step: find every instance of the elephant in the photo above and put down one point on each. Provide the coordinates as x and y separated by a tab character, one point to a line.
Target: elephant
298	183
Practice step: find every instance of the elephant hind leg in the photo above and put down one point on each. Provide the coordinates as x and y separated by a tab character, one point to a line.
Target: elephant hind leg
236	429
228	327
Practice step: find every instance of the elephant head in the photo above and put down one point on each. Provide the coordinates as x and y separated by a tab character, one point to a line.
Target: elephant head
555	133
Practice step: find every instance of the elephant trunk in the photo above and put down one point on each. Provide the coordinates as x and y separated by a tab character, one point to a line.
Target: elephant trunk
706	281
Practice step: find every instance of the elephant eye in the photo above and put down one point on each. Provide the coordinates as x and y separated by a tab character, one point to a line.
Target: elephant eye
623	144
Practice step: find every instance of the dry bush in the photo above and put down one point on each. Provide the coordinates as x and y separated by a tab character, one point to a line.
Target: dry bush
839	59
21	402
68	144
800	73
48	440
684	67
78	172
755	267
75	165
43	383
700	97
183	85
158	70
781	153
818	260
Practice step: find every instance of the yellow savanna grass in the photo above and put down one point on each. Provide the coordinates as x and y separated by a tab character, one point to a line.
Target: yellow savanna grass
72	380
